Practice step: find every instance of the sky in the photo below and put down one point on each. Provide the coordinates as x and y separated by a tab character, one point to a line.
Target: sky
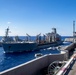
37	16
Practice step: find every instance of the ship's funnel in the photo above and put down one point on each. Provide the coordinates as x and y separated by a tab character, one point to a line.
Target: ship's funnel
54	30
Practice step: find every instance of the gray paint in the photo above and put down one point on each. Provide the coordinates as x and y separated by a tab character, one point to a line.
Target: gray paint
34	66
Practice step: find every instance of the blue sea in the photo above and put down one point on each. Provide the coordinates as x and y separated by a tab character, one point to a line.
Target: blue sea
11	60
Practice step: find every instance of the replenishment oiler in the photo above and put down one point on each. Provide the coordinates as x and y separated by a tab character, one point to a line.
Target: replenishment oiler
15	44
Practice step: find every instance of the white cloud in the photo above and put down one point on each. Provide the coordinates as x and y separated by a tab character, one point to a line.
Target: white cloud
8	22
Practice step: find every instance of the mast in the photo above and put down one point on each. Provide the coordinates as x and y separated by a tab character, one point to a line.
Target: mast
73	30
7	31
73	27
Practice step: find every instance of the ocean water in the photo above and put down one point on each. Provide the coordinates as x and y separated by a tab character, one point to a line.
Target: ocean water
10	60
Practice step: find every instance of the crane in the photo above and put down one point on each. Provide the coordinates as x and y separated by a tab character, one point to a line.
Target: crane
28	37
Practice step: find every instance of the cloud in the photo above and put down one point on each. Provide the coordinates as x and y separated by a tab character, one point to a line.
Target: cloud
8	22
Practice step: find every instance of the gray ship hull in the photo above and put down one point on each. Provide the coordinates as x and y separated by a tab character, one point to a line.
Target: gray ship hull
18	47
21	47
